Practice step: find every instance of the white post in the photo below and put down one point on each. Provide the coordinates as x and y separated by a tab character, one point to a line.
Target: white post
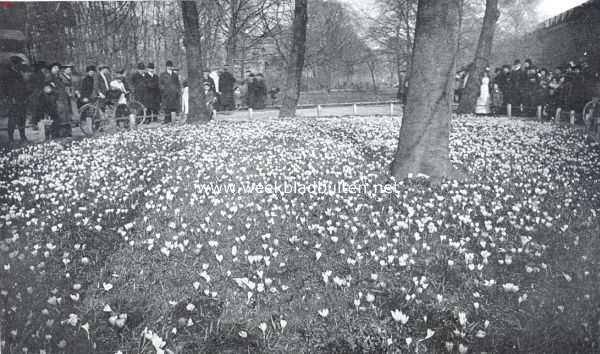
572	118
354	108
391	109
214	114
42	129
539	112
509	110
250	112
318	110
173	117
132	121
558	113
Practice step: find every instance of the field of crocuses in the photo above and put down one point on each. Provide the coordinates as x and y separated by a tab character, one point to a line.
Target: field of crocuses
180	240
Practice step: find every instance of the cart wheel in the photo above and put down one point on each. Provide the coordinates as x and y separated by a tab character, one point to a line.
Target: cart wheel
139	111
92	112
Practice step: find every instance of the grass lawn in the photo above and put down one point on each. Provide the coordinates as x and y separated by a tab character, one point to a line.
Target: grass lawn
151	241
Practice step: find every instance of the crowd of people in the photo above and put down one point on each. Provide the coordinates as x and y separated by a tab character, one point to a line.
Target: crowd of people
526	87
58	91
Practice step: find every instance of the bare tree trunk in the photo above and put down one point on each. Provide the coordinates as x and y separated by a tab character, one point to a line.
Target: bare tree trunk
295	64
423	145
193	52
482	55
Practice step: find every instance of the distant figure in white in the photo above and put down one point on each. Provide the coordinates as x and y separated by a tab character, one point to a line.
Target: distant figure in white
483	101
185	99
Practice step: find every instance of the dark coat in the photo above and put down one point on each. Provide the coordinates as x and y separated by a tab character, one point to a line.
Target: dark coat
260	93
151	92
137	86
170	90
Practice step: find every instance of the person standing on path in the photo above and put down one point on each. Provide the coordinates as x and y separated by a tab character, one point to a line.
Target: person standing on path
226	83
170	90
151	91
18	92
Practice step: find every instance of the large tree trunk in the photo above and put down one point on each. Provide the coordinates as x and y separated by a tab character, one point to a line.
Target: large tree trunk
423	145
482	58
295	64
193	52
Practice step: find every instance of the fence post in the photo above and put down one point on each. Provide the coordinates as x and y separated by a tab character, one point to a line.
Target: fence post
250	113
42	129
354	108
572	117
558	113
173	117
538	113
318	110
391	109
132	121
509	110
214	114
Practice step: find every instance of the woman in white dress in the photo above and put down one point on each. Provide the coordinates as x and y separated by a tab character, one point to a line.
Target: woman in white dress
484	100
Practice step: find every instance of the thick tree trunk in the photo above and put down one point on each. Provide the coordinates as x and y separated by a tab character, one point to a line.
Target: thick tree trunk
295	64
423	145
482	58
193	52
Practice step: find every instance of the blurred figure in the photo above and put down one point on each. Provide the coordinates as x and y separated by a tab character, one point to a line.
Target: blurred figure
483	101
151	91
86	87
137	82
102	82
170	90
208	79
15	86
260	92
226	83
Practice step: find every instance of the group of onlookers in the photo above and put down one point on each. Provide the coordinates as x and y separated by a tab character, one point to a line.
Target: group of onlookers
57	92
526	87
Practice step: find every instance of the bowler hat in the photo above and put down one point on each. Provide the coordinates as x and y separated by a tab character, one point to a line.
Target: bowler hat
102	66
141	66
150	66
68	65
169	63
90	68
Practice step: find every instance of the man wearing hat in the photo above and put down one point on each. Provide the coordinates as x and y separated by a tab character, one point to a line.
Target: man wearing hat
151	91
170	90
86	88
18	92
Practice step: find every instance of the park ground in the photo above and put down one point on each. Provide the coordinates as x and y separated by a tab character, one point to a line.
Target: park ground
124	242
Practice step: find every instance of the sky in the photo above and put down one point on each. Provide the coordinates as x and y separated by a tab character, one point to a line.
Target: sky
549	8
546	9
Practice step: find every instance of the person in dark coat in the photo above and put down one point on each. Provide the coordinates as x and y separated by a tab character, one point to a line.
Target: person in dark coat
260	92
577	96
401	87
46	107
226	84
137	83
17	90
170	90
251	90
86	87
519	80
151	91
